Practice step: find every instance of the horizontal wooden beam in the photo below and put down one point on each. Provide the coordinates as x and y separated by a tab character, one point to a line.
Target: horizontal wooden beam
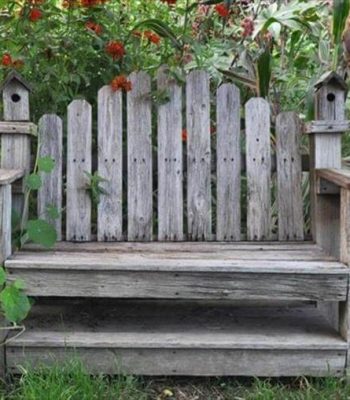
335	127
8	176
22	128
338	177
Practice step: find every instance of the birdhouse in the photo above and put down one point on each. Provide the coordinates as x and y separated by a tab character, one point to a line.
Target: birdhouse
331	91
15	92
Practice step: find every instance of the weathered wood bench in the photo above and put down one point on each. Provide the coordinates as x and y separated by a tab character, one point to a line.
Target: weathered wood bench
174	278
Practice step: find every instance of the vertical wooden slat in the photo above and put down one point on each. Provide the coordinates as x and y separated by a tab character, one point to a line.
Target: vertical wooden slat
5	223
198	156
139	158
78	161
110	164
289	177
170	191
50	142
258	169
228	224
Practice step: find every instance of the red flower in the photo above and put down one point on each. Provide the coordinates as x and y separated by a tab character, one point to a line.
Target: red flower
97	28
184	135
6	60
35	14
248	26
121	82
152	37
222	10
115	49
169	2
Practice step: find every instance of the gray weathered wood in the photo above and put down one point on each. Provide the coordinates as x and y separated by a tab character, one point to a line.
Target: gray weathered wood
110	164
140	202
325	152
78	224
198	156
258	169
8	176
121	337
5	222
330	126
228	204
15	149
170	164
24	128
289	177
51	145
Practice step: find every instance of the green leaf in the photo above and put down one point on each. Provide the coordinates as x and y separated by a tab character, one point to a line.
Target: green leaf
52	212
33	182
2	276
264	72
19	284
15	303
46	164
41	232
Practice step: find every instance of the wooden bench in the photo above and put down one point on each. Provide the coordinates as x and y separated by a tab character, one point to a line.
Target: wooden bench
181	267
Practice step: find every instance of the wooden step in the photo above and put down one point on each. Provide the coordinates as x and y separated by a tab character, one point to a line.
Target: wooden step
179	338
211	271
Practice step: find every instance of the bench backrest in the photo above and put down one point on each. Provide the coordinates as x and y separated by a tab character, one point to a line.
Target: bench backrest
180	175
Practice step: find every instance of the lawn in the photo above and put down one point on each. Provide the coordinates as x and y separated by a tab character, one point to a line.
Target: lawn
72	382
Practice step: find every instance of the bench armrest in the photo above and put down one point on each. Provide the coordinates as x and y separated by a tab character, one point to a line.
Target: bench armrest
8	176
339	177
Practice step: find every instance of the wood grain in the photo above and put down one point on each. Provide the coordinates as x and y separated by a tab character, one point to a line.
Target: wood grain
170	164
198	156
289	177
110	164
228	218
258	169
140	202
51	145
78	224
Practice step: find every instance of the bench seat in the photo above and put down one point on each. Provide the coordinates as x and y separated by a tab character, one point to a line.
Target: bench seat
186	270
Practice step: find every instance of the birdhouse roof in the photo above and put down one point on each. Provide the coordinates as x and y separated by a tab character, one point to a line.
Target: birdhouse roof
331	77
15	76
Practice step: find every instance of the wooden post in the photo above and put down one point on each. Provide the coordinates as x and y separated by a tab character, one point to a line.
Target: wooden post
325	152
15	147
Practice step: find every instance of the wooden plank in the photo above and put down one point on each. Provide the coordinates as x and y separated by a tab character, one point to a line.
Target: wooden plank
198	156
78	224
279	248
170	164
289	177
325	152
13	127
340	177
228	214
43	279
270	342
344	308
329	126
5	252
258	169
110	164
5	222
140	190
51	145
183	362
8	176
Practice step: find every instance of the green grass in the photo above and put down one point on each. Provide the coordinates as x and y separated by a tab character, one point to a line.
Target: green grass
72	382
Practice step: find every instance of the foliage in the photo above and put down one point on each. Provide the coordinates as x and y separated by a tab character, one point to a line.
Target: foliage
71	381
274	48
15	305
94	186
